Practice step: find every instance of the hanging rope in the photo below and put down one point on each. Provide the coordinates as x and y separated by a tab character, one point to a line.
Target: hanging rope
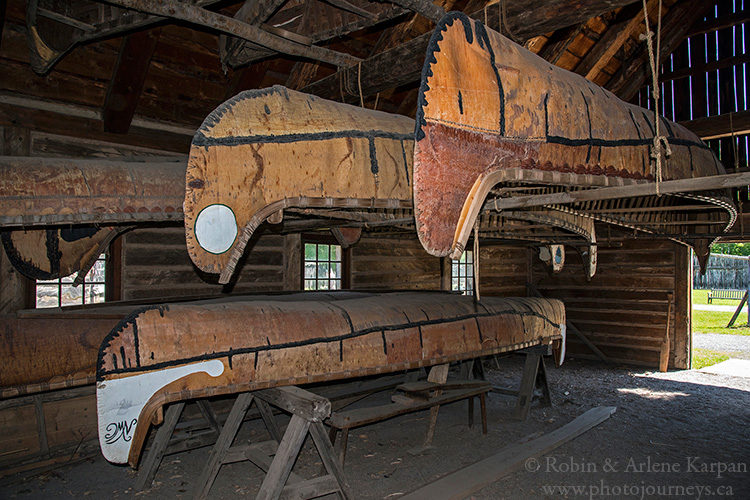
734	144
359	84
475	266
660	141
341	85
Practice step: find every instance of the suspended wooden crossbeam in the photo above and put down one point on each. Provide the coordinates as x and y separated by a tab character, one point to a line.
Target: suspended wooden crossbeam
173	352
491	114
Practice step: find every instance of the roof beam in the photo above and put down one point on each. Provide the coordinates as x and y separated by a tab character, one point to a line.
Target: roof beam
675	25
718	126
423	7
127	81
176	9
253	12
403	64
613	39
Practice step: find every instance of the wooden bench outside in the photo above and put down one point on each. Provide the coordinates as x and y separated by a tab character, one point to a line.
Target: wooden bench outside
725	294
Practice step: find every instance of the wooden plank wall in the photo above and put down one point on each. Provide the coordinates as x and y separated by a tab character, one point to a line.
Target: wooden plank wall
379	263
623	309
156	265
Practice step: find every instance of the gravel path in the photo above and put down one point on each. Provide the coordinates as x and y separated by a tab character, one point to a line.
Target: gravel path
668	431
738	346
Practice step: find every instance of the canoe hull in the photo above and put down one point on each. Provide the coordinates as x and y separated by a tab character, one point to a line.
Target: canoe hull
489	110
198	350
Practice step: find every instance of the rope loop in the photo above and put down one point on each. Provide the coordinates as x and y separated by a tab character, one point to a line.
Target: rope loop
660	141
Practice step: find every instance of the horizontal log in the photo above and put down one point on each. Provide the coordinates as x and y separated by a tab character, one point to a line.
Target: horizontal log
403	64
234	27
717	126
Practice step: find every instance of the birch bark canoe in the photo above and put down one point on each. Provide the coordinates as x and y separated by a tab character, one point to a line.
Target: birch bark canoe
490	111
174	352
266	150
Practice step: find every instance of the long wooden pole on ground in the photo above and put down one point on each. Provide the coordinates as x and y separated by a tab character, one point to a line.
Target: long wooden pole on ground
464	482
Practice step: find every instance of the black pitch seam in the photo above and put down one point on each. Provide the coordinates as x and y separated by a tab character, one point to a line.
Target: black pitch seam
202	140
318	340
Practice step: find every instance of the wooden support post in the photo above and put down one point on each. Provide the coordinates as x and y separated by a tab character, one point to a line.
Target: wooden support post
528	381
209	415
231	426
739	309
278	473
151	463
308	410
438	375
127	81
543	384
665	345
333	466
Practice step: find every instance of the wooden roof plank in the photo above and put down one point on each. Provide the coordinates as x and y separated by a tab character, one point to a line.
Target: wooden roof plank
608	45
127	81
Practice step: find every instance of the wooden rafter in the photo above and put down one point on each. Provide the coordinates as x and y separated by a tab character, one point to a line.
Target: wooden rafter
187	12
612	40
675	25
109	22
423	7
254	13
717	126
559	43
302	20
128	78
402	64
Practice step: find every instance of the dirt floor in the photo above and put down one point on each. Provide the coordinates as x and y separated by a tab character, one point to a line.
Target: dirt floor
675	435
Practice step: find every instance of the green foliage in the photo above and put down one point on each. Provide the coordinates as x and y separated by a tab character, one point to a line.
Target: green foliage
716	322
706	357
731	248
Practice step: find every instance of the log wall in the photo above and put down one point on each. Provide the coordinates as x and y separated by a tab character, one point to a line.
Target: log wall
623	309
156	265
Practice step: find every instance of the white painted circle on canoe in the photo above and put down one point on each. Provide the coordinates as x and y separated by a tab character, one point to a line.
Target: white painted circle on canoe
216	228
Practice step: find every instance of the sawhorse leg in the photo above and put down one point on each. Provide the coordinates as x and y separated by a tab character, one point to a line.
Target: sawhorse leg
151	463
218	453
534	375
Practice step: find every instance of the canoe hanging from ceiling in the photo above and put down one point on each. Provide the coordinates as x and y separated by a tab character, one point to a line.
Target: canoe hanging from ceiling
40	192
491	112
266	150
174	352
47	254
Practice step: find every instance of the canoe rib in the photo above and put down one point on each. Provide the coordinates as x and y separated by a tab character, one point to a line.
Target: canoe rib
488	110
174	352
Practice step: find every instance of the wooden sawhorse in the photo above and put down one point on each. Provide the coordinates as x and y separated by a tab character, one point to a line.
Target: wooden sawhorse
534	376
161	445
308	411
